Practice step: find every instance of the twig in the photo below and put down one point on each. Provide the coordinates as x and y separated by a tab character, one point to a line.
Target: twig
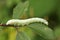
8	25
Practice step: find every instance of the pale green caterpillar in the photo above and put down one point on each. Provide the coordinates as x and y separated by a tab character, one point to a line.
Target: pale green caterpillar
26	21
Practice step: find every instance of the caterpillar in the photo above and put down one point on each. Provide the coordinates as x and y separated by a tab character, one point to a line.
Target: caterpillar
26	21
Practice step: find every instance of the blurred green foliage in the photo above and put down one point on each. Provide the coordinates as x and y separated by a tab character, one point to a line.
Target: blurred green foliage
22	9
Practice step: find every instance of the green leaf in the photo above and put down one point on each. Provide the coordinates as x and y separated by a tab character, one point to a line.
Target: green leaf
43	30
25	33
28	33
22	36
20	9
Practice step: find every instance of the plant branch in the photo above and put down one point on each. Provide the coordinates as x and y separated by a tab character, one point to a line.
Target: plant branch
8	25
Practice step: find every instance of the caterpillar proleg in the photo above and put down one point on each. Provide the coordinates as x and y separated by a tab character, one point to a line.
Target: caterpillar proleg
26	21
